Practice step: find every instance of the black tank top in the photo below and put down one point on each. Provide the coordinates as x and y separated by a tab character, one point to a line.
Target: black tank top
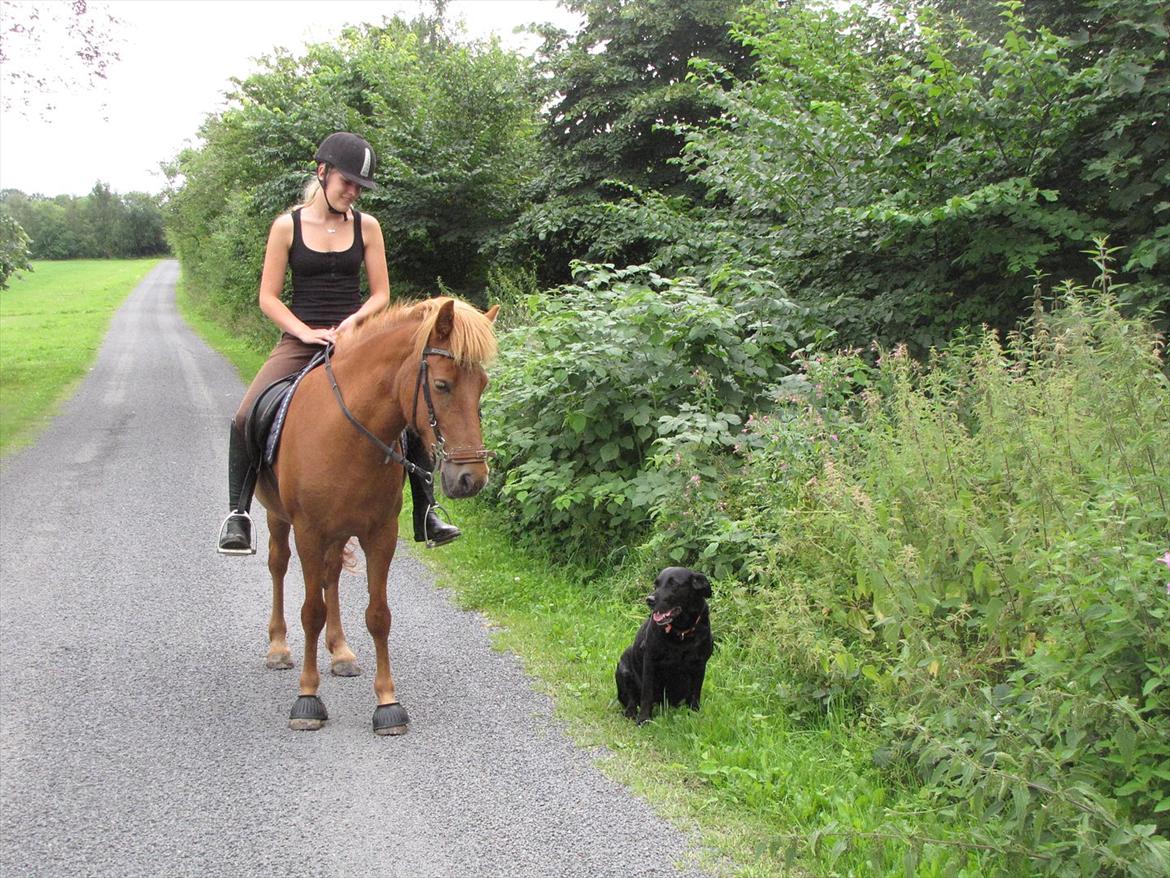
326	286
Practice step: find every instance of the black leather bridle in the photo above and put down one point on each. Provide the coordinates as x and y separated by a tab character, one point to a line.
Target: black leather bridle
439	449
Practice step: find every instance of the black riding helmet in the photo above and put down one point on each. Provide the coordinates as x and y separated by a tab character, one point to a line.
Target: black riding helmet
351	155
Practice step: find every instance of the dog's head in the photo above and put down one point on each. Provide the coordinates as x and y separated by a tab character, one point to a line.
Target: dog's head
678	592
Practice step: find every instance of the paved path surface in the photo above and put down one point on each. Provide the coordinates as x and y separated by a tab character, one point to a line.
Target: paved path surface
140	733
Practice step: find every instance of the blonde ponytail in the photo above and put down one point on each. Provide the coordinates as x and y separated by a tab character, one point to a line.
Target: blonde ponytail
309	193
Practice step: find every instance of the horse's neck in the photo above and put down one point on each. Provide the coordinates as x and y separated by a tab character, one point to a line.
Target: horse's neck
371	376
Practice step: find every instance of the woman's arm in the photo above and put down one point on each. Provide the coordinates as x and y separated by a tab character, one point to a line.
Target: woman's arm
272	284
376	272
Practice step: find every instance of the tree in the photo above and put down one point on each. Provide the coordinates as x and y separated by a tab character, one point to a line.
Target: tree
102	224
910	176
453	126
13	248
617	91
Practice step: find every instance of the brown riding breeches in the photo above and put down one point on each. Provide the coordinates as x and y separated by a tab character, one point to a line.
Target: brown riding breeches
288	357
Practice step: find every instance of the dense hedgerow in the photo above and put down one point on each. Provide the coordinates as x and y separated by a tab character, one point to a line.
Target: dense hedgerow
607	379
965	553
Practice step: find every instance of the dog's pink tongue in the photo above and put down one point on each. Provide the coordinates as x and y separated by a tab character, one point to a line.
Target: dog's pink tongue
664	615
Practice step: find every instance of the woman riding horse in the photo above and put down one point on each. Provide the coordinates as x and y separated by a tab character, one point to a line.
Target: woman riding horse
325	241
338	477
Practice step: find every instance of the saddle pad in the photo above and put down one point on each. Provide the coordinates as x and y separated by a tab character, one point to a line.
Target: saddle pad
266	420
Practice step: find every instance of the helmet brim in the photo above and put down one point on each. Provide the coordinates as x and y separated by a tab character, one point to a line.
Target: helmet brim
364	182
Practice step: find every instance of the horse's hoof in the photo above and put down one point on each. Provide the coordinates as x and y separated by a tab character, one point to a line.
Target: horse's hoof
345	669
308	714
278	662
390	719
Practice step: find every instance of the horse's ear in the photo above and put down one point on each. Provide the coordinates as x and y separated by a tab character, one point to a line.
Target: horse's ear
445	322
491	313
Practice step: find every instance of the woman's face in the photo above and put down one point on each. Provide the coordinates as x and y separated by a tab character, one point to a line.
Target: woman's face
340	191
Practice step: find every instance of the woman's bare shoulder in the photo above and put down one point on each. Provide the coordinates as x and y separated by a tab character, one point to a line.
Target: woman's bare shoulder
369	223
282	228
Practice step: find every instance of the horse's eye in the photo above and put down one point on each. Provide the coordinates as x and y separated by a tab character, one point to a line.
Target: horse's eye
442	386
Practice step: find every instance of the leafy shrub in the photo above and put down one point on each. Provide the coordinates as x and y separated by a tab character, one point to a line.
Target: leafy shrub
914	171
609	378
964	552
13	249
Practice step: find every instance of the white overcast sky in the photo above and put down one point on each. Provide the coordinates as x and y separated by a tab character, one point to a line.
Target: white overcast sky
176	57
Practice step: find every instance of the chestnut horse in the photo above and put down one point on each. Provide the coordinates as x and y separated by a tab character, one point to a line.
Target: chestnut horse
339	474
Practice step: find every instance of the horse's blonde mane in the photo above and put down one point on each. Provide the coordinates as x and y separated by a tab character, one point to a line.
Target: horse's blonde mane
473	339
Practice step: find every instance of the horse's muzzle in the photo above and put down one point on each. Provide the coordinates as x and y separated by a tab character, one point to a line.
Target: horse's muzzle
464	474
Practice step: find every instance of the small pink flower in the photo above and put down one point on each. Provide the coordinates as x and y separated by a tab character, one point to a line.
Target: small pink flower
833	437
1165	559
695	479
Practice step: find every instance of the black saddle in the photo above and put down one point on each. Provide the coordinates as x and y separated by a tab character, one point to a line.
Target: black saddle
266	419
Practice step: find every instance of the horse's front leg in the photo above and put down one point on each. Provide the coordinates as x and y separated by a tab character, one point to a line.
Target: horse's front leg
279	656
308	713
344	663
390	717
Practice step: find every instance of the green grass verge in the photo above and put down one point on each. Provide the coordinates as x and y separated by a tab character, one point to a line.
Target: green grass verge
754	786
52	321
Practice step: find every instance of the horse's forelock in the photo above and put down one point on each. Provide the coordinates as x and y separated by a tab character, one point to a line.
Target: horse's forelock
473	339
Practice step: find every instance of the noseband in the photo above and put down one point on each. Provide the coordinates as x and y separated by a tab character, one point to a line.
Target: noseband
439	451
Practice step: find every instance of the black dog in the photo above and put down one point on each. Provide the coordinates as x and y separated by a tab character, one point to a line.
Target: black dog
668	658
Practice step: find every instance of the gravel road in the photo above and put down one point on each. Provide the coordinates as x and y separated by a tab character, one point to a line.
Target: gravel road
140	733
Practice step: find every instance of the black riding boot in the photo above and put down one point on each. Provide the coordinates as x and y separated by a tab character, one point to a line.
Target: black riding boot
428	527
235	535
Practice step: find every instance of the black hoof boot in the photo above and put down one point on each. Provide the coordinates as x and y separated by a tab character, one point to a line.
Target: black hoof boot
308	714
235	535
390	719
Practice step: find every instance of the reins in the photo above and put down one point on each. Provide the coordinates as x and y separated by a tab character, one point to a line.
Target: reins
439	451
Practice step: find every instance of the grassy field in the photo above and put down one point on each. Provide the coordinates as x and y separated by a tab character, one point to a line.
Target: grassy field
52	321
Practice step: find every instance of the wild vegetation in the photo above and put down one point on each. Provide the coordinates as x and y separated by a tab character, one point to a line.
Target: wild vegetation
860	312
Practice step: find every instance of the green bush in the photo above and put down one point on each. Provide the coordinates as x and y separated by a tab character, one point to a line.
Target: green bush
13	249
599	391
964	552
912	173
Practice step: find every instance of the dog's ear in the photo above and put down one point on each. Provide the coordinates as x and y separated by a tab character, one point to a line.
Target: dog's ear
701	585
